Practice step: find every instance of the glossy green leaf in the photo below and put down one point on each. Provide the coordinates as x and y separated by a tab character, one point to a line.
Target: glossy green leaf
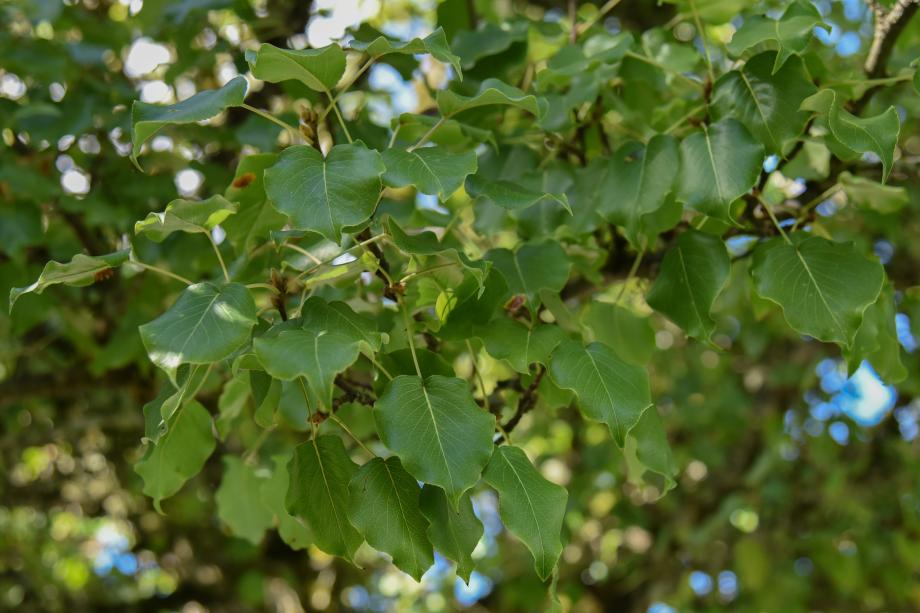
294	532
318	314
191	216
718	165
316	355
453	533
532	267
435	44
148	119
318	69
609	389
255	218
640	179
512	195
326	195
239	501
320	471
442	436
178	455
877	340
823	287
432	170
692	275
491	92
206	324
767	103
877	134
519	344
80	271
790	34
531	507
385	509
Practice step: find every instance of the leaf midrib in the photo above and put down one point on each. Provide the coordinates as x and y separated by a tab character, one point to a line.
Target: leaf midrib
533	511
814	282
335	513
437	434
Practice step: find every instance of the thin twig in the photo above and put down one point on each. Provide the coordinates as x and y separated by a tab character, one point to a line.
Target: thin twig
162	271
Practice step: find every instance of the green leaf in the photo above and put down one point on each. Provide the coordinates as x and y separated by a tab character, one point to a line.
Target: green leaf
80	271
491	92
519	344
648	441
531	507
718	165
192	216
432	170
293	532
206	324
239	503
178	455
532	267
255	219
230	404
148	119
878	134
427	243
767	103
642	177
692	275
790	34
318	69
315	354
266	394
320	471
823	287
616	326
511	195
385	509
338	317
453	533
609	390
488	40
326	195
435	44
877	340
872	195
442	436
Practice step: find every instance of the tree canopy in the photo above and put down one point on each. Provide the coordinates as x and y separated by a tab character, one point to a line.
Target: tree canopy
424	306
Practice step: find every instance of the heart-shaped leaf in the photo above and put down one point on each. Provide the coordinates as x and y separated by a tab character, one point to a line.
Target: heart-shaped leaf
609	389
437	430
325	195
692	275
206	324
718	165
432	170
823	287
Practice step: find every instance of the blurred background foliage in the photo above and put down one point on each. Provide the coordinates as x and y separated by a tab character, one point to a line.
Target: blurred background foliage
799	487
